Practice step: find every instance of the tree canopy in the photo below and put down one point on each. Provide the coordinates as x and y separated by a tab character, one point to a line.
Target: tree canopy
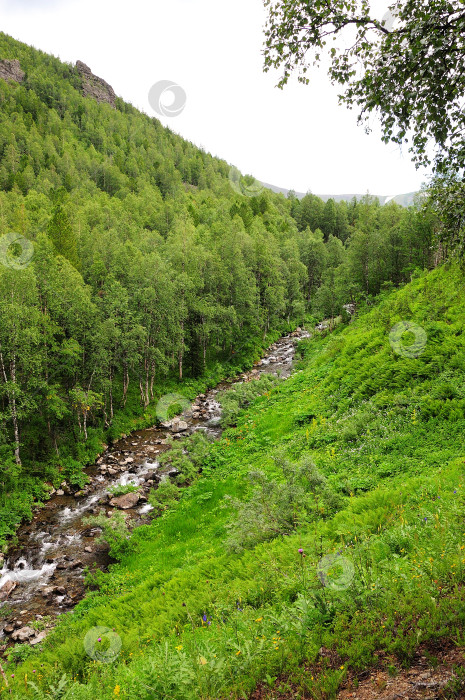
406	67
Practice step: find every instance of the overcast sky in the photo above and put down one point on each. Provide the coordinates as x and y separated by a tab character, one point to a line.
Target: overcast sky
296	138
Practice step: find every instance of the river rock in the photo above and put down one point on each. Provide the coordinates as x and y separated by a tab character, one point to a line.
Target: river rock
60	492
8	629
40	637
178	426
88	550
23	634
128	500
77	564
7	588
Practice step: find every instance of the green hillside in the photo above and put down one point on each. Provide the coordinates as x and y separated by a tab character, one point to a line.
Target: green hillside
132	264
361	457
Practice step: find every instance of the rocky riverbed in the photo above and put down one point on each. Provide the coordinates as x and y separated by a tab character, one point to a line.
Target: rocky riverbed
43	574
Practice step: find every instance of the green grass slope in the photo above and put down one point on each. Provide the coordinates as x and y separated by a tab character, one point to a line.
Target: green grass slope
198	620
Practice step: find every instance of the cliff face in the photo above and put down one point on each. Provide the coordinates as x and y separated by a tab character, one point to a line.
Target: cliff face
11	70
93	86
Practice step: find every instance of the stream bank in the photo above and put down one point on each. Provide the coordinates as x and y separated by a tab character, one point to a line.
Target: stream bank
43	574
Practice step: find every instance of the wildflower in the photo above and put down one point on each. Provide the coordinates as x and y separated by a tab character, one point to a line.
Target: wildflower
99	639
204	617
179	647
238	652
301	551
116	690
259	619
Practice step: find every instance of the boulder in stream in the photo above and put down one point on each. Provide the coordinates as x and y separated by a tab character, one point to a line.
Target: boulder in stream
178	425
23	634
128	500
40	638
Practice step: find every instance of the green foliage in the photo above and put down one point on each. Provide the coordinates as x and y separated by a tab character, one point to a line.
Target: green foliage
164	497
199	620
425	104
110	313
115	532
239	396
178	282
279	506
122	489
187	455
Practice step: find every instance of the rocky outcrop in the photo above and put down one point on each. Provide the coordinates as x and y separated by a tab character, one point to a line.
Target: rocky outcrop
11	70
95	87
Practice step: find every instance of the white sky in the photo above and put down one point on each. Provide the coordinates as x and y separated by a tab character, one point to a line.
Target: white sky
297	138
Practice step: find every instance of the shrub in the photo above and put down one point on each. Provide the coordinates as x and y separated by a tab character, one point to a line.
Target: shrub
187	455
241	395
164	497
277	507
122	489
115	533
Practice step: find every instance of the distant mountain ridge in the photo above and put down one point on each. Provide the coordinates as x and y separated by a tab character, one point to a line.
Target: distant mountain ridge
405	200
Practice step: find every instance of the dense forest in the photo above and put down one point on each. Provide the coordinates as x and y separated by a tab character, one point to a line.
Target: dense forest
147	265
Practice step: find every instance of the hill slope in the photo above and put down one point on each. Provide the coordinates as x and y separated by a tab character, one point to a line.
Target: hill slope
370	563
139	265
